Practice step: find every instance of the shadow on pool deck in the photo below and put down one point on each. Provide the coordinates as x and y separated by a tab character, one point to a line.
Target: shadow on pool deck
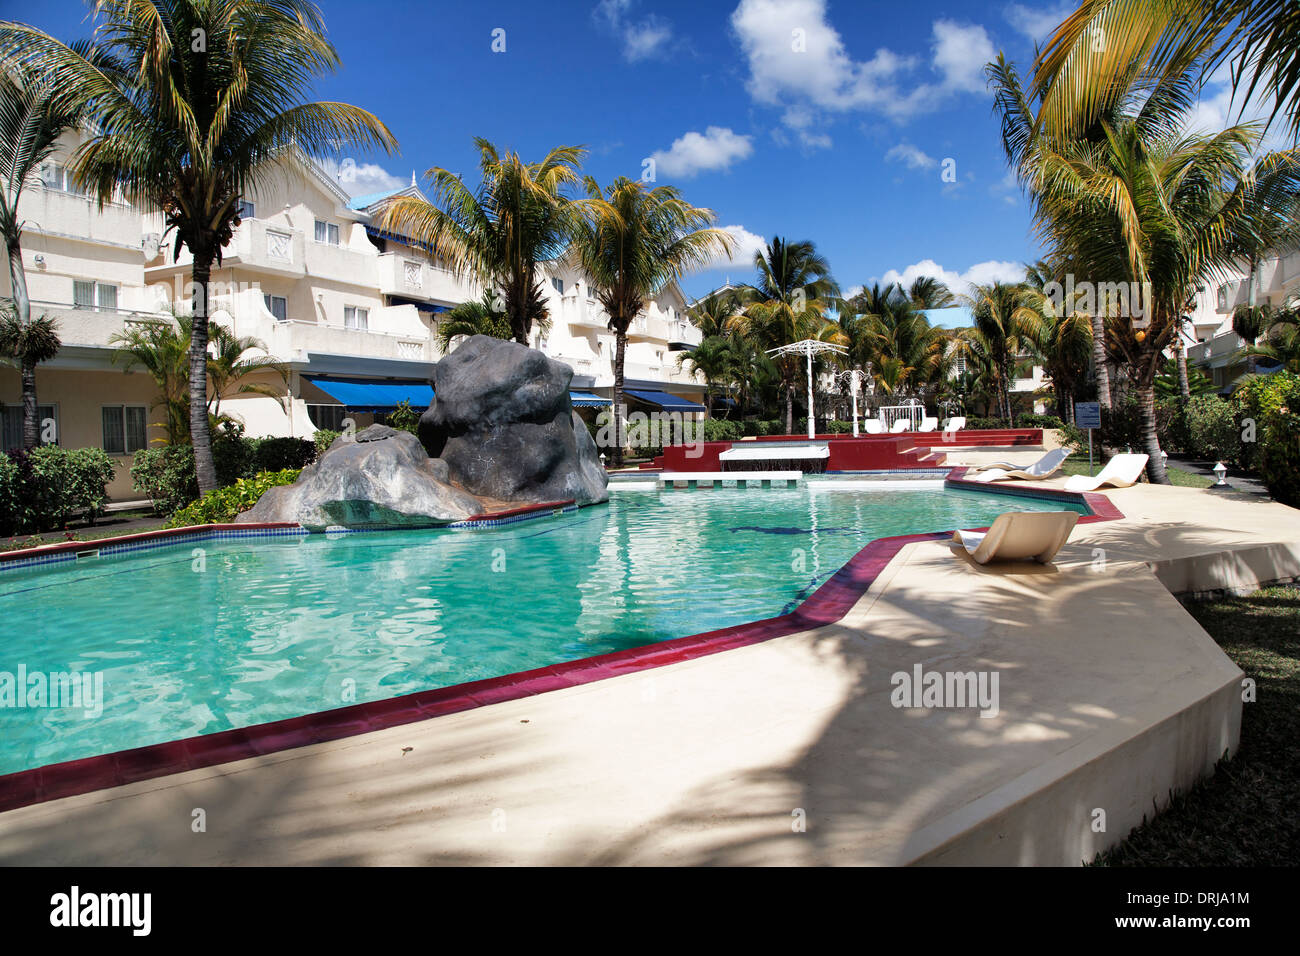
708	761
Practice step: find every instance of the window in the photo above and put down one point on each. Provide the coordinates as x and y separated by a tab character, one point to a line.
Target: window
278	306
329	417
57	176
124	429
356	318
557	285
327	232
247	210
591	291
94	295
11	426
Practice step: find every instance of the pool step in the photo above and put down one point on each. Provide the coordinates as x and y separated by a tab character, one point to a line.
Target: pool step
707	479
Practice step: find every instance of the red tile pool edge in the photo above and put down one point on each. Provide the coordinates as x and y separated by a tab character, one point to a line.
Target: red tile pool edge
825	606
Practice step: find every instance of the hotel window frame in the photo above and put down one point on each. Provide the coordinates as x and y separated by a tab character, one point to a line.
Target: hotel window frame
269	301
11	425
360	317
329	229
247	209
97	290
127	445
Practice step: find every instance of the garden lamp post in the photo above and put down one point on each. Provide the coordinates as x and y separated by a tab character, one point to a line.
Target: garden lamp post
809	348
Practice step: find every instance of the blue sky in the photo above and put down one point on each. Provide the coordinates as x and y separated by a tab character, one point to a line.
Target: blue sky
830	121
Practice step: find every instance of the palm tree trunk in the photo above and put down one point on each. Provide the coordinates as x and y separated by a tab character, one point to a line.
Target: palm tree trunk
620	351
1180	355
1099	361
200	434
789	408
23	307
1146	399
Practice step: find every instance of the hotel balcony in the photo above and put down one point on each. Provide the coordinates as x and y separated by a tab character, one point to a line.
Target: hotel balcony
53	212
583	312
408	278
1217	351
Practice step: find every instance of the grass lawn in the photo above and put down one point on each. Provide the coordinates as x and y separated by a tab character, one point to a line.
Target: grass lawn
1078	465
1246	814
110	526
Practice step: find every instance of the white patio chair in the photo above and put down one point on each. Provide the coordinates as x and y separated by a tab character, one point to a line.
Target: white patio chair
1019	536
1121	471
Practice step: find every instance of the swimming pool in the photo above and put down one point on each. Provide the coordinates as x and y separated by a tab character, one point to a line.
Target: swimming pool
193	641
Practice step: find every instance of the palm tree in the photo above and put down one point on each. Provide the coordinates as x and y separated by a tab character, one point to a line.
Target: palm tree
500	233
475	317
32	118
1105	41
188	127
887	332
1276	334
1062	341
1005	325
1138	200
634	242
786	304
230	363
714	359
927	292
712	313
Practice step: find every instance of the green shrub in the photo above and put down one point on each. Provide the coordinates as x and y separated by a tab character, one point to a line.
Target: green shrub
1212	430
1171	426
1253	403
1279	451
45	488
1031	420
277	454
719	429
323	439
232	454
405	418
166	475
11	508
224	504
987	423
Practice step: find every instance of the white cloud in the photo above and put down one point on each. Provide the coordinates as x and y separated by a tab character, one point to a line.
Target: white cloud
747	243
643	38
796	57
959	282
1038	25
716	148
906	153
361	179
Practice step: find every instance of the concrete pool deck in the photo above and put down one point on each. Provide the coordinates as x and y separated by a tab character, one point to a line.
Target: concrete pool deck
784	752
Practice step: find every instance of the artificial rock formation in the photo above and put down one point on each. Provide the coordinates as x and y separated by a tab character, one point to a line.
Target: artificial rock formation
379	478
502	421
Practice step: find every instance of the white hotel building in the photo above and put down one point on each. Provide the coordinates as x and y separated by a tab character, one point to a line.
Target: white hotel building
351	311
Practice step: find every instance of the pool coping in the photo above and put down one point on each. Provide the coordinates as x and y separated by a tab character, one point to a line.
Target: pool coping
827	605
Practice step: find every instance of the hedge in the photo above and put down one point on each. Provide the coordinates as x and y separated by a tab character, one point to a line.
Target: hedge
42	490
1031	420
167	474
224	504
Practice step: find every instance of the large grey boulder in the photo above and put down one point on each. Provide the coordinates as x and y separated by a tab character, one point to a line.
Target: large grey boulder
380	478
502	421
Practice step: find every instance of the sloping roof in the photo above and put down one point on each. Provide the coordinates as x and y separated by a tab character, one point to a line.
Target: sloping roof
364	203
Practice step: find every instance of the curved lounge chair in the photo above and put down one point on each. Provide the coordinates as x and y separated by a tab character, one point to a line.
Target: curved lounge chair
955	424
1122	471
929	424
902	425
1019	536
1045	467
874	426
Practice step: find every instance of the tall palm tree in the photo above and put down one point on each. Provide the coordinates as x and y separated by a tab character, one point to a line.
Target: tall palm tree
1061	341
1137	199
191	104
887	332
500	233
1004	325
32	118
787	303
633	242
927	292
712	313
715	360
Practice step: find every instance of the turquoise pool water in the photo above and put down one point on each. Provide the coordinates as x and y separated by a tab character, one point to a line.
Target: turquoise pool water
268	628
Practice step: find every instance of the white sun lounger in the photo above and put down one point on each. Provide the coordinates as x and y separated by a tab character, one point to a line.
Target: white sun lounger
1019	536
929	424
1121	471
955	424
1045	467
874	426
902	425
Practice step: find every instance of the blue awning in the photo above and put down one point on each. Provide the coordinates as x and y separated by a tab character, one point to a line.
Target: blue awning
665	401
374	395
586	400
